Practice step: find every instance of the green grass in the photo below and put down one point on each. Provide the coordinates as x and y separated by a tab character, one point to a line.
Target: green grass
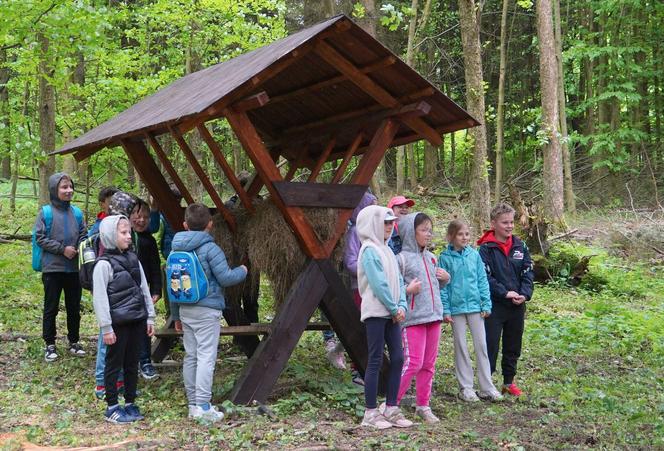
591	369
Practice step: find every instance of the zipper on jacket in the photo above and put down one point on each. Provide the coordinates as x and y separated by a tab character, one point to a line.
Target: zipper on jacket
426	268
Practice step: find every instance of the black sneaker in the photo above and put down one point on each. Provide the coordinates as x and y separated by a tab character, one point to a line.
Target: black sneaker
148	372
76	349
50	355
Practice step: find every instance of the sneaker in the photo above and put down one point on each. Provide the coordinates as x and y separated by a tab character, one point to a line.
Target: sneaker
374	419
491	395
117	415
192	411
211	415
426	414
335	354
50	355
133	411
76	349
356	378
148	372
100	391
395	417
511	389
468	395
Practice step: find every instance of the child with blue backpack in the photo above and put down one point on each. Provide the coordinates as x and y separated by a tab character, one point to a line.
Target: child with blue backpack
59	228
200	321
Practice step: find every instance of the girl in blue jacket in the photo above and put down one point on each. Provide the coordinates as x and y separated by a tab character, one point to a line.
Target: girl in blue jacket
466	302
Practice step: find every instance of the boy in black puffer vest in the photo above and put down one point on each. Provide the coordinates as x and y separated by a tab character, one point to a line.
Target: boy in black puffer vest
124	311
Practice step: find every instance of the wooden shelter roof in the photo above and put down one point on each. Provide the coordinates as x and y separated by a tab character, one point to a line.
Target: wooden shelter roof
330	81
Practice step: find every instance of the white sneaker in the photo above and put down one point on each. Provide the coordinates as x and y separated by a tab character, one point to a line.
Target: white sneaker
50	354
426	414
335	354
374	419
394	416
76	349
212	415
468	395
491	395
192	411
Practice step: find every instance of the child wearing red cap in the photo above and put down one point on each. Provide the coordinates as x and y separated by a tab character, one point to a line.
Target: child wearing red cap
401	206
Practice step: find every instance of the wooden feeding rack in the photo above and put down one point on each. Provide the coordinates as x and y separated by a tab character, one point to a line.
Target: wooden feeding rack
330	92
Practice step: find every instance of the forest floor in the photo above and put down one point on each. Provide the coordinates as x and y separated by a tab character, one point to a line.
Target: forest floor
591	368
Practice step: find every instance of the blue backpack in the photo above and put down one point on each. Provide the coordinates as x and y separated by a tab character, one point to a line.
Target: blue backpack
187	281
47	211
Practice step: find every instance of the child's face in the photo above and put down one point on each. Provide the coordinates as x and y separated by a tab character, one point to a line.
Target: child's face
65	189
423	234
503	226
401	210
461	239
124	235
104	204
389	226
140	219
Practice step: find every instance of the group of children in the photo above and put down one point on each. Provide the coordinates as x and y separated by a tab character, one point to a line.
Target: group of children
406	293
403	291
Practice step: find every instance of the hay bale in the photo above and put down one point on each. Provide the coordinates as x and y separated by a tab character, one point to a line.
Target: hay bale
265	240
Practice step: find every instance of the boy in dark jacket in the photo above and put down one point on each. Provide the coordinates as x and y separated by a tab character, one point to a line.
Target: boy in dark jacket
59	263
201	321
145	247
510	273
125	313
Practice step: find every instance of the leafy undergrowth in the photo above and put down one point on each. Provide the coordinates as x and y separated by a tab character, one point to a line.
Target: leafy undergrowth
591	369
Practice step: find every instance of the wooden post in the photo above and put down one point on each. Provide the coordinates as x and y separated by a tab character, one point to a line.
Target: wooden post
169	168
347	156
321	160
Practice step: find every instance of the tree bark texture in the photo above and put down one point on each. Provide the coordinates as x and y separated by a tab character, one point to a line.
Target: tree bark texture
46	119
5	135
469	15
500	114
552	183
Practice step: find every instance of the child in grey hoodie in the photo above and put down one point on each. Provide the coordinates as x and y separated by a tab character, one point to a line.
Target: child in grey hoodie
124	310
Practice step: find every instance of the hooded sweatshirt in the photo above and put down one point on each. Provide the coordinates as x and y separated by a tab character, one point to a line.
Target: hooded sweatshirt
213	261
107	283
424	307
65	231
379	282
352	247
468	290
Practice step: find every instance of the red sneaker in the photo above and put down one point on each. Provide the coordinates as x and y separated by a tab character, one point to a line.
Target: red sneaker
511	389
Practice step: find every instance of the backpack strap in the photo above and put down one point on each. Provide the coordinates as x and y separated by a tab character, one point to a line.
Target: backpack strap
78	214
47	211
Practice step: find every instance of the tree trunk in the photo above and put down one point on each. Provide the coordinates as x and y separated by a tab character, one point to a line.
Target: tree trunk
552	183
570	201
500	116
5	134
452	154
410	59
46	119
430	164
469	14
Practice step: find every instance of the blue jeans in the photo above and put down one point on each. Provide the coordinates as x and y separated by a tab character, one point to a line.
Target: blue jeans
100	364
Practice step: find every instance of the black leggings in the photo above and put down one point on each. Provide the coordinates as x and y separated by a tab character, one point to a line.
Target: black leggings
381	331
123	354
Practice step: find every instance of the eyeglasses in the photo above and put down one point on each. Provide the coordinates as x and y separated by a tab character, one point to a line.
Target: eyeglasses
426	232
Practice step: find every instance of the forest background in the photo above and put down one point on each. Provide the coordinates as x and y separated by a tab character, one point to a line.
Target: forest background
570	94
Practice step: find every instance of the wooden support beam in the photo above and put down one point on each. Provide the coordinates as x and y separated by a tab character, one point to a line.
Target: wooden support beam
155	182
86	152
169	168
269	360
336	60
251	102
380	64
228	171
341	169
269	173
322	195
205	180
321	160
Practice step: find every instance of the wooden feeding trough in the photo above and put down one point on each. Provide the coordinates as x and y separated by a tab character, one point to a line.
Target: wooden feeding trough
330	92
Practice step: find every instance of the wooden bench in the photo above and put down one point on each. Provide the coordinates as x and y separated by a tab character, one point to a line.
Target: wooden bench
252	329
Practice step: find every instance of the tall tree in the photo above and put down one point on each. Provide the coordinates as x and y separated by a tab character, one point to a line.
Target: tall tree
46	117
552	180
469	17
500	113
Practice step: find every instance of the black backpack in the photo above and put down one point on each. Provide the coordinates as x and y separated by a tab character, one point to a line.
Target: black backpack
88	251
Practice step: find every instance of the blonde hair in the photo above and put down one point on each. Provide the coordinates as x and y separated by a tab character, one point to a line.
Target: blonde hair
454	226
501	209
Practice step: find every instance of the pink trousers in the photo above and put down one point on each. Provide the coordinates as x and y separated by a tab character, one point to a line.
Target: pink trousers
420	349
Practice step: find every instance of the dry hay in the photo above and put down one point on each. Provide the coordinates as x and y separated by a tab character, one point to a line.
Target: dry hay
266	242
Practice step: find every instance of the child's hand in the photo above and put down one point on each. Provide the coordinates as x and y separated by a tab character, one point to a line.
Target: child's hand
414	286
484	314
512	295
70	252
150	330
109	338
518	300
155	298
178	325
400	316
245	268
442	276
448	319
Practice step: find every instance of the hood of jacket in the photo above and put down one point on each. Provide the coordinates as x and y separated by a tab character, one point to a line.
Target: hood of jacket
53	182
490	237
367	199
371	224
407	233
190	240
108	231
